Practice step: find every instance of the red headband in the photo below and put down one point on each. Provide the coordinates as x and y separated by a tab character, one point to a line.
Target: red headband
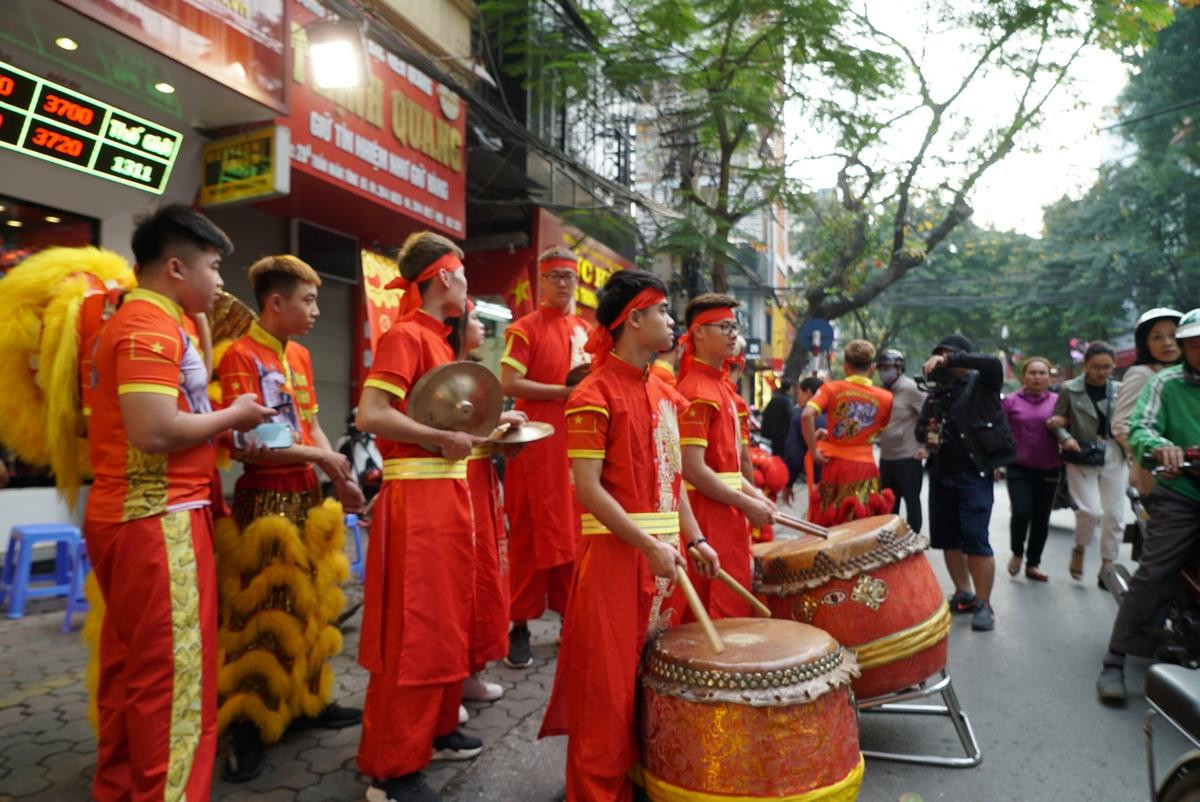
600	341
558	263
715	315
412	290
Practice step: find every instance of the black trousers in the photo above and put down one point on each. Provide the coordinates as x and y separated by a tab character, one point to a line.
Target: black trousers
903	477
1031	493
1172	540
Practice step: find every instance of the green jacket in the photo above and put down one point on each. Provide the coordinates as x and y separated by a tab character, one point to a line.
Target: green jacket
1167	413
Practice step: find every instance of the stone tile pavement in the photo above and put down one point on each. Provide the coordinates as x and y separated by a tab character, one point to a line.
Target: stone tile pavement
47	748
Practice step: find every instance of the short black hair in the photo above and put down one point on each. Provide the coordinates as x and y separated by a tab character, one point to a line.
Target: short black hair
174	225
1098	347
620	289
811	384
785	385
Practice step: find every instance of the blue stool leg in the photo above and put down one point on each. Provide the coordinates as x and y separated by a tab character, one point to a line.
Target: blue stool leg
6	577
64	555
20	582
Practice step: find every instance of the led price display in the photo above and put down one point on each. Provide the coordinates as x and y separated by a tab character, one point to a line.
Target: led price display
42	119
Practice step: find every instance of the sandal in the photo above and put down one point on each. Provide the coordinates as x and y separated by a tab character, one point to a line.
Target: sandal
1036	574
1076	563
1014	565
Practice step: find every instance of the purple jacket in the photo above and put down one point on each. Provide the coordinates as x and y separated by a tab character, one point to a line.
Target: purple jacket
1027	416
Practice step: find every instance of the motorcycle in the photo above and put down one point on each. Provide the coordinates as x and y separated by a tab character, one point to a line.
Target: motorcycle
365	460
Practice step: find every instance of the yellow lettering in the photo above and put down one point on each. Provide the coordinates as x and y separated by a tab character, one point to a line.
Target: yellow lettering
456	142
373	113
586	271
399	121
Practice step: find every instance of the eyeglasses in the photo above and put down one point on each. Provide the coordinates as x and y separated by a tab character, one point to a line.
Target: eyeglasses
727	328
560	276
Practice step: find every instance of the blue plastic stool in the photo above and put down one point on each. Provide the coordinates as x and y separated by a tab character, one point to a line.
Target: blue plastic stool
76	600
16	582
359	563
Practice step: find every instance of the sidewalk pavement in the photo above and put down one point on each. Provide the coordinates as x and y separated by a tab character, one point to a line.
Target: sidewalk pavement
47	748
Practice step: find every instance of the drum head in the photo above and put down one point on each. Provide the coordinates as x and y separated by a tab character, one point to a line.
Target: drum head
751	644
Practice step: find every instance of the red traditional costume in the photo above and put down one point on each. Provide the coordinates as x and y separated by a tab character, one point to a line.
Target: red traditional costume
419	591
280	559
149	537
711	422
489	635
628	418
543	523
849	486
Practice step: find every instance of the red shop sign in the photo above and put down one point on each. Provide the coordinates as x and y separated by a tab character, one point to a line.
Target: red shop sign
399	142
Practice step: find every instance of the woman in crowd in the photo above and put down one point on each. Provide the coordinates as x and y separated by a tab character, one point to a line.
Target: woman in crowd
1154	341
1033	478
1096	469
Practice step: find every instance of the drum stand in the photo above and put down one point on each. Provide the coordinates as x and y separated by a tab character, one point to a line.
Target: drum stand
892	703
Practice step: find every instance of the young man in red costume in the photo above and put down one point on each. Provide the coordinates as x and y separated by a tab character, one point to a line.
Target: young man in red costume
148	524
489	635
275	674
623	440
540	350
710	434
419	592
664	364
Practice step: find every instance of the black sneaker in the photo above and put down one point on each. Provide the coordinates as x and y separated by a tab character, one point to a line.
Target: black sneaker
1110	685
333	717
245	759
409	788
984	619
962	602
456	746
519	654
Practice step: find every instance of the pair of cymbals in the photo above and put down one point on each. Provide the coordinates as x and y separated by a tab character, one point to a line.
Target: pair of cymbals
466	397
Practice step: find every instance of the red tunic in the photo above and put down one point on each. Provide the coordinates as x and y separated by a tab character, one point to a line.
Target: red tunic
418	597
489	636
857	411
711	421
663	370
543	347
629	419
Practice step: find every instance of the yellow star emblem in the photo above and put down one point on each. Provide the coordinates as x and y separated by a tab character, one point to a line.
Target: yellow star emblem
521	291
237	385
157	348
578	419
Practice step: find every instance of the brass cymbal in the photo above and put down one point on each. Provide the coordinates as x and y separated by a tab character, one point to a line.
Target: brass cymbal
528	432
458	397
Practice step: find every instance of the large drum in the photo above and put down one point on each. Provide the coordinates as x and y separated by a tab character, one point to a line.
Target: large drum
768	718
870	586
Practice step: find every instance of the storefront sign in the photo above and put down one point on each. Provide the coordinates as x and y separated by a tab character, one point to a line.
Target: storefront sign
399	141
253	166
50	122
239	43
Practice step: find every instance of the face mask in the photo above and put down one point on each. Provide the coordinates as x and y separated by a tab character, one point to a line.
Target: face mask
888	376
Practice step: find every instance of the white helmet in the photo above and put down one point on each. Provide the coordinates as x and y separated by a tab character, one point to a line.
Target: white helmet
1189	325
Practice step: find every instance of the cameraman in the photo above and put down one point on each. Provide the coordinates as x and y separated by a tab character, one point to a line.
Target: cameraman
1165	421
967	436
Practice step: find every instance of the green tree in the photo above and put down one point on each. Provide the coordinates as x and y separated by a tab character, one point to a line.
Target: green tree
893	213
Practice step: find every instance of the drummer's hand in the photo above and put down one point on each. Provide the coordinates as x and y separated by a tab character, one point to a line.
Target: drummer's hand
458	445
711	563
663	558
819	458
759	512
514	418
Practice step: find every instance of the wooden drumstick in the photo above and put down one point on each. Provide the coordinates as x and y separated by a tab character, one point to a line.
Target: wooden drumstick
807	527
723	575
693	600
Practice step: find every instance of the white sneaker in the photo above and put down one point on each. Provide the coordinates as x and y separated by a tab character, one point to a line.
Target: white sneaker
463	715
479	690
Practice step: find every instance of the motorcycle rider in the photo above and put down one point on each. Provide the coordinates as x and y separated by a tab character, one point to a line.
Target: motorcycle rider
1166	419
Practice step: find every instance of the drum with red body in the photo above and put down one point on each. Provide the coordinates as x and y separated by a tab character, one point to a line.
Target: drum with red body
768	718
871	587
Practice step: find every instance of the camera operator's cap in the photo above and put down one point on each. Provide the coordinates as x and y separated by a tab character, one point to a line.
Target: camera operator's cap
1189	325
954	342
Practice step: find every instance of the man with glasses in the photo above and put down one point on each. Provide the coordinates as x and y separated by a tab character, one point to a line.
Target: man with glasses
721	497
541	349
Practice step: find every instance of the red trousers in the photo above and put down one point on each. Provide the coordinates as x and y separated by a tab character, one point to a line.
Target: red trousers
158	693
532	591
400	723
